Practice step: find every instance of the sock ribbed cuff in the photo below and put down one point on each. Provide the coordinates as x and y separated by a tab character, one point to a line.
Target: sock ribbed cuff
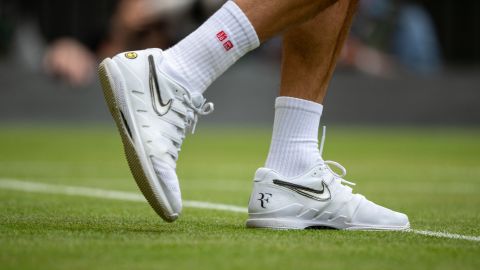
241	30
298	104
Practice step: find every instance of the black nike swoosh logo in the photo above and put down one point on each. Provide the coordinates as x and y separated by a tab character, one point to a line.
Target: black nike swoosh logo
160	107
314	194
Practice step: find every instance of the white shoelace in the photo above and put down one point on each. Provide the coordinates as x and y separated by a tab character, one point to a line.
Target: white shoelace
190	117
328	163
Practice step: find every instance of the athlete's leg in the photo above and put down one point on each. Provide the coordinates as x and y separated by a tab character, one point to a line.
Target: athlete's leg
297	189
311	50
240	26
271	17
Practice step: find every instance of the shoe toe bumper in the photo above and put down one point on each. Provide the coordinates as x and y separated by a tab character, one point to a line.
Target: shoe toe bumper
377	217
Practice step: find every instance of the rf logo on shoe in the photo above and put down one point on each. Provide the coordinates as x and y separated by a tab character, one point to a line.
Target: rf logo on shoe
264	198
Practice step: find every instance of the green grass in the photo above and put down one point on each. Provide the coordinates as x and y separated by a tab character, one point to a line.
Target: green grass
433	175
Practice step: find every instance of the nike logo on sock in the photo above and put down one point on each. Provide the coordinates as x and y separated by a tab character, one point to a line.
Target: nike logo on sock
314	194
159	106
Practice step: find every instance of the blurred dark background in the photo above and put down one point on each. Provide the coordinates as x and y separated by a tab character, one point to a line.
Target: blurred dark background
405	63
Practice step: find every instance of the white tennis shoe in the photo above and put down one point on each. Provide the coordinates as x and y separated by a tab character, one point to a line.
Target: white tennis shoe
320	198
153	114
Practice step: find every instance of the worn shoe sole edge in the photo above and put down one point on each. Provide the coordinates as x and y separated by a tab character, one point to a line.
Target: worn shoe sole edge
157	200
292	224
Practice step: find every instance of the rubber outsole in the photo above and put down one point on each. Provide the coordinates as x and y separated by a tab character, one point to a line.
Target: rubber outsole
288	224
129	149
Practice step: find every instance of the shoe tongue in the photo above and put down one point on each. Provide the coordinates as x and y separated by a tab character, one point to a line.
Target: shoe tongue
197	100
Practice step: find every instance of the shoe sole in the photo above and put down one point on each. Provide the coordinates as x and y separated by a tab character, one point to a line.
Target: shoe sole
288	224
136	168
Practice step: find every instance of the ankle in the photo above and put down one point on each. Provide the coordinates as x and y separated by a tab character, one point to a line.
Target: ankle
294	145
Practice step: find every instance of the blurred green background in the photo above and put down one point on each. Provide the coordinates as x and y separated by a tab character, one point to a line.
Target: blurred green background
402	113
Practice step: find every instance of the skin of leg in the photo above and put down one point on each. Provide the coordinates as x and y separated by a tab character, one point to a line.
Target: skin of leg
311	50
271	17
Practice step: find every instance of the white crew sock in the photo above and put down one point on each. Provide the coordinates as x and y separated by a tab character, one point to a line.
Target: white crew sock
294	146
201	57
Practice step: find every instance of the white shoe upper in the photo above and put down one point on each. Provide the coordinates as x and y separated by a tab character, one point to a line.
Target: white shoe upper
318	198
159	113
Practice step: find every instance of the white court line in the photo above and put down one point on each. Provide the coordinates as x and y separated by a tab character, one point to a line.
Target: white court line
447	235
25	186
13	184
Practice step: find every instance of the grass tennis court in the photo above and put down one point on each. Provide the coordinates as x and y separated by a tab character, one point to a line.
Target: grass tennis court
431	174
